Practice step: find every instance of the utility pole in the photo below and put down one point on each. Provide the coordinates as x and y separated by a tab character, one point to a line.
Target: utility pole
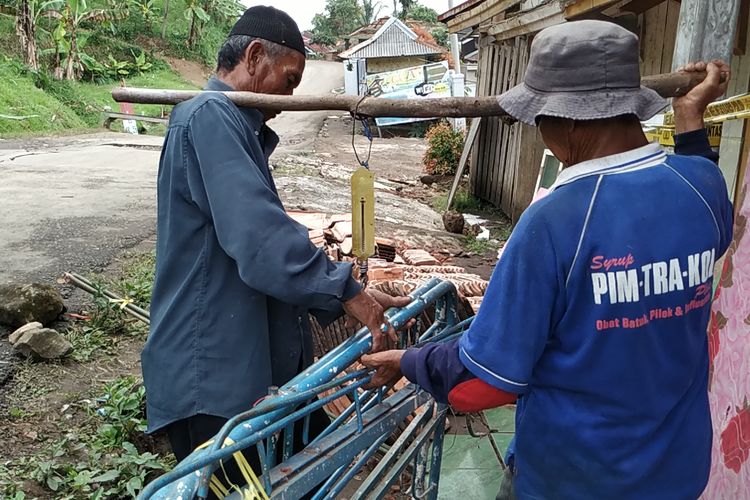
455	46
458	82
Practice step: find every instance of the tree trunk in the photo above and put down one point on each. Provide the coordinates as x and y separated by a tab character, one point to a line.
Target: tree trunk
57	72
193	32
164	24
70	66
26	31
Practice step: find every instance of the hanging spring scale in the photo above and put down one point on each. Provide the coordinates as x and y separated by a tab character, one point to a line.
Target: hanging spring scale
363	213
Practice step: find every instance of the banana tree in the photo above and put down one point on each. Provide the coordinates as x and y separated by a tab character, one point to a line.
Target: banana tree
216	10
27	13
194	13
71	14
148	10
26	31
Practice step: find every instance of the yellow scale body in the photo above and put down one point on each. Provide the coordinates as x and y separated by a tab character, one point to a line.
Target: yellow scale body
363	214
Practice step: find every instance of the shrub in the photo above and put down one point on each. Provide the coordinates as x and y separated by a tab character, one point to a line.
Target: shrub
444	149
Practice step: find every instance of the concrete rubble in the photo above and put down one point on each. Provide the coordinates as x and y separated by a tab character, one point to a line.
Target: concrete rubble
34	341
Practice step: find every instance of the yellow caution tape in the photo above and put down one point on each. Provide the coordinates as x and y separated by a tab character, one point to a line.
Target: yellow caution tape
122	302
665	135
734	108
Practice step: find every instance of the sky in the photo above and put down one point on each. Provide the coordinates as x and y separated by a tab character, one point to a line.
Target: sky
303	10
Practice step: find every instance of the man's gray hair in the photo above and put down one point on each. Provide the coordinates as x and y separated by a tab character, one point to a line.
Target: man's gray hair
234	47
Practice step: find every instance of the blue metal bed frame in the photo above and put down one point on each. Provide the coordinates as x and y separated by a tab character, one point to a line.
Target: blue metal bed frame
329	462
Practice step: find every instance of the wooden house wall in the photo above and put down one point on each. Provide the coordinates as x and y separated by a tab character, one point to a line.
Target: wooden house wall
505	160
503	170
658	28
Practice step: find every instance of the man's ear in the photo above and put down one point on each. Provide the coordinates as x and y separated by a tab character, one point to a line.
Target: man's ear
254	53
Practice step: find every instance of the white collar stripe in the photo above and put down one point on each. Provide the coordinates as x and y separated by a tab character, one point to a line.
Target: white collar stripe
636	159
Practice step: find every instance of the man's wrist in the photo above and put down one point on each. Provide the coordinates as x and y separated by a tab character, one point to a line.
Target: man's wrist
351	290
687	119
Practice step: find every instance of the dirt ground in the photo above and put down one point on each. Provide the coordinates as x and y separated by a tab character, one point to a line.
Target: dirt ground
42	403
194	72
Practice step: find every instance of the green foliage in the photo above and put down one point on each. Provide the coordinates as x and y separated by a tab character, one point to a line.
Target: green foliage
147	10
201	12
106	315
89	342
406	6
440	34
370	11
138	278
340	18
68	42
419	12
98	461
66	105
103	475
463	202
35	109
122	412
418	130
473	245
444	146
113	69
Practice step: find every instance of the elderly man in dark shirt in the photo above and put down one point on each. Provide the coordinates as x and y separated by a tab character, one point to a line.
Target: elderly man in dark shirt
235	277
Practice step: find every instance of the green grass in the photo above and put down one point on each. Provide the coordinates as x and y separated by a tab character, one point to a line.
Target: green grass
100	335
480	247
70	107
99	456
20	97
138	278
67	106
90	343
463	202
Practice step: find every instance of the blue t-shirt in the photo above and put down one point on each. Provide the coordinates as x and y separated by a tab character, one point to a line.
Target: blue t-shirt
597	316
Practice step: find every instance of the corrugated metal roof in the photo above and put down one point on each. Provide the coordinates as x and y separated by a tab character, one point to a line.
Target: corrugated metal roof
393	39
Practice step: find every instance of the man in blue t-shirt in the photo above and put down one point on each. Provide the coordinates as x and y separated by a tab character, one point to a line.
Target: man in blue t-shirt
595	318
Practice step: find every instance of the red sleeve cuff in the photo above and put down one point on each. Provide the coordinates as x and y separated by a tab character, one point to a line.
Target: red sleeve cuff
476	395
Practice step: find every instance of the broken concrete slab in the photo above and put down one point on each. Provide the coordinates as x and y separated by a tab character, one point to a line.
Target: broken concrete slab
311	220
346	246
25	303
419	257
43	343
13	338
342	230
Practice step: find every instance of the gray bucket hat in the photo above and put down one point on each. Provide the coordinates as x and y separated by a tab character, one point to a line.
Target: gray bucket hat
582	70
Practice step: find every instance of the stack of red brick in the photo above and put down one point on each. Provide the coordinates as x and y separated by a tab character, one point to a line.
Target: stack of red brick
395	270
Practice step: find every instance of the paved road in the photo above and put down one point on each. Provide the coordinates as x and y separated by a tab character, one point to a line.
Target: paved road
298	130
74	203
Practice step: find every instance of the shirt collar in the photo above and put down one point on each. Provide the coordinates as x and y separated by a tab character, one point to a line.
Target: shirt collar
268	138
635	159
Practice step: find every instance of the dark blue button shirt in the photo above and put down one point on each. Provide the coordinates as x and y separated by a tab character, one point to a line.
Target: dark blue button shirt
235	276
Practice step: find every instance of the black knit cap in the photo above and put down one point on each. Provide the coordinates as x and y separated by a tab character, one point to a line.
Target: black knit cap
270	24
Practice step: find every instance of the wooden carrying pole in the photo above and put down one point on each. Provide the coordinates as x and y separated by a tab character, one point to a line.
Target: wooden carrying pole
667	85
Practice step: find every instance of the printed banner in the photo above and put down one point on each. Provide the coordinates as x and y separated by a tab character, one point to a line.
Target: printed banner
429	81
